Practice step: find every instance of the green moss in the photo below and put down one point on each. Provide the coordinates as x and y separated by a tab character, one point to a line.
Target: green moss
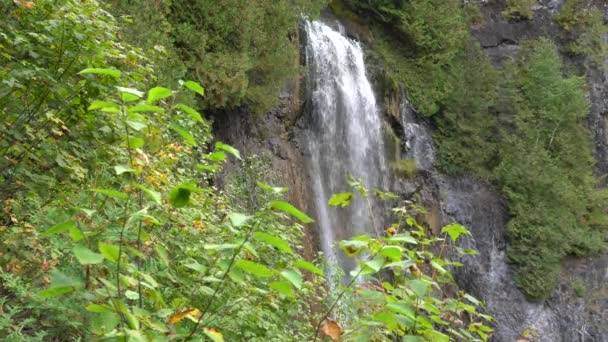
519	9
578	285
405	168
584	24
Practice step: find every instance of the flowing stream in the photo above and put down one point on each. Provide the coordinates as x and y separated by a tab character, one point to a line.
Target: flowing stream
346	136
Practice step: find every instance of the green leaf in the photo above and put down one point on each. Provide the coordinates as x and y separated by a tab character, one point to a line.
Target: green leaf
273	241
281	287
229	149
392	252
217	156
291	210
256	269
276	190
62	227
153	195
145	108
158	93
402	308
179	196
293	277
55	291
407	238
162	253
238	219
86	256
418	287
112	193
374	265
188	138
194	115
109	252
120	169
306	266
102	71
197	267
137	94
454	230
220	247
214	335
102	104
341	199
75	234
195	87
99	308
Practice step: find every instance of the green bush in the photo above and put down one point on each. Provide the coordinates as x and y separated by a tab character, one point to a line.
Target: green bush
546	170
519	9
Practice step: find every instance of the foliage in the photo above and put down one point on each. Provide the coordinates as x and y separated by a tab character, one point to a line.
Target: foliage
584	22
421	44
402	287
519	9
466	131
405	168
579	287
545	170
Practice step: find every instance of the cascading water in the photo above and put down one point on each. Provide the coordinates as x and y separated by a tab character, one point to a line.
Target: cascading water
345	137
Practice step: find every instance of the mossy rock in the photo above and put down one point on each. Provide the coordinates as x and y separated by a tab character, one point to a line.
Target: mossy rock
405	168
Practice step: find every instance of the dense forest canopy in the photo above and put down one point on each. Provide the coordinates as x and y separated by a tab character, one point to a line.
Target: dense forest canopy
112	223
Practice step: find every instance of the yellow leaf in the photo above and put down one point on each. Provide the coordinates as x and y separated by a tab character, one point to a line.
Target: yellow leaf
332	329
214	335
192	313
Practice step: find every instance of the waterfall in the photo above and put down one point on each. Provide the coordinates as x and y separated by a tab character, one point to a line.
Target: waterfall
345	137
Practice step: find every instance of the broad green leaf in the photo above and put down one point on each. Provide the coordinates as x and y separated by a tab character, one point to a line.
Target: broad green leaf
153	195
214	335
55	291
402	264
436	336
131	91
220	247
418	287
126	97
162	253
109	252
179	196
273	241
62	227
185	134
238	219
403	238
97	104
294	277
145	108
438	267
402	308
392	252
132	295
256	269
306	266
120	169
197	267
217	156
353	247
341	199
76	234
454	230
281	287
99	308
102	71
195	87
158	93
229	149
136	125
86	256
276	190
112	193
374	265
194	115
291	210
